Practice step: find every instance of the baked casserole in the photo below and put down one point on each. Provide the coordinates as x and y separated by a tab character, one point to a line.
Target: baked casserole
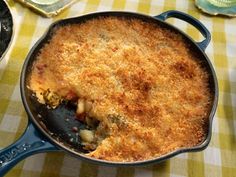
138	86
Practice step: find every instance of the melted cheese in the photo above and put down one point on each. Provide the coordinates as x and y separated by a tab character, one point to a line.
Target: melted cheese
144	74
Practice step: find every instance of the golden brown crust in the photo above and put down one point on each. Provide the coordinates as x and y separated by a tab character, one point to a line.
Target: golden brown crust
144	73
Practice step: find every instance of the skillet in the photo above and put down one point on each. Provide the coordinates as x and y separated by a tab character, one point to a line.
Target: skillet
51	129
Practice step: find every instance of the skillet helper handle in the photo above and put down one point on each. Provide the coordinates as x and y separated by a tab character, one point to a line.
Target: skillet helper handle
31	142
193	21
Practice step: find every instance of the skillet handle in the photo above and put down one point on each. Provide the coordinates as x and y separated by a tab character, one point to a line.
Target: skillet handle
193	21
31	142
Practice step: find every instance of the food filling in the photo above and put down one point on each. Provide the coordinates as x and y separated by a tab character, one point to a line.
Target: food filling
139	87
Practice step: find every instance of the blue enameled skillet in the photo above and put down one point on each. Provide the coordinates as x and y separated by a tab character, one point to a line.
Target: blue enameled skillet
51	130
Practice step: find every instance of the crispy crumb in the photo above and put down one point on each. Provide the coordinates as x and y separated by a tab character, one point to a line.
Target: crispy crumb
145	74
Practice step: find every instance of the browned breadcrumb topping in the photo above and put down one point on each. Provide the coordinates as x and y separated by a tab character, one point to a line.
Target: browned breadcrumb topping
140	73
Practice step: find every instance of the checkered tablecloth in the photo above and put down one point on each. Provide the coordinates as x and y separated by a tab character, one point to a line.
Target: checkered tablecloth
219	159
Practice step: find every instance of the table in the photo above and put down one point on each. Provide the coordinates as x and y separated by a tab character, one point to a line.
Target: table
219	159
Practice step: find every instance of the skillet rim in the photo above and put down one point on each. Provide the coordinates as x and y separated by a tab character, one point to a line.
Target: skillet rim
80	19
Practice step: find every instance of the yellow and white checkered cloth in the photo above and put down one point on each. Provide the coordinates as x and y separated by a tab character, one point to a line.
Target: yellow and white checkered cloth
219	159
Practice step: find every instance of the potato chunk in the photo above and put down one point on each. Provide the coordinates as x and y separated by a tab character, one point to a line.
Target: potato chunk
81	106
87	135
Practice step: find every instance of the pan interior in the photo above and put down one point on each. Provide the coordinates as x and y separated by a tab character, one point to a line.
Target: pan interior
59	123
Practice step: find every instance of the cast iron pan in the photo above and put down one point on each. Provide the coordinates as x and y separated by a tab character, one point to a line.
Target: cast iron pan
51	130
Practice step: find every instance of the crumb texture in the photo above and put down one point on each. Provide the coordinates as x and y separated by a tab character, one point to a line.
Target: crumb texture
144	84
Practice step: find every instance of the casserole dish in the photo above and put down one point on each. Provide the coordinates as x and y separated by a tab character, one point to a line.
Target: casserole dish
53	133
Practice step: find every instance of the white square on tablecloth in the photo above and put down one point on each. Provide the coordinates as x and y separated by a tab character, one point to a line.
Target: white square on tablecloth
212	156
231	49
209	51
101	8
182	156
16	94
158	3
232	74
105	5
180	4
229	27
9	123
215	125
207	22
77	8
